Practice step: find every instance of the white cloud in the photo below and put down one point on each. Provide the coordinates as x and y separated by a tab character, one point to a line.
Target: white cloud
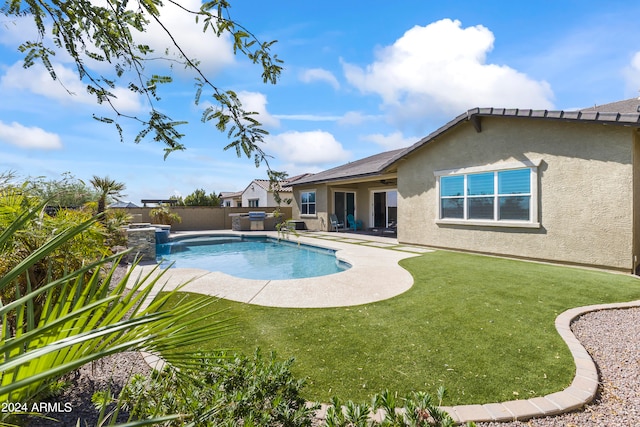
391	141
354	118
17	29
308	117
28	137
213	52
36	79
306	148
632	74
257	102
441	69
321	75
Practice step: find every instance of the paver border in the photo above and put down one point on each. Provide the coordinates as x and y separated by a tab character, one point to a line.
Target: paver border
581	391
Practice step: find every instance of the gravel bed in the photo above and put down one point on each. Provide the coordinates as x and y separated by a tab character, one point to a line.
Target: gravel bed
611	337
109	373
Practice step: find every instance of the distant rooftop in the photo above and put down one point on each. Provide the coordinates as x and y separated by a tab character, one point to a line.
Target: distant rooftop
285	184
628	106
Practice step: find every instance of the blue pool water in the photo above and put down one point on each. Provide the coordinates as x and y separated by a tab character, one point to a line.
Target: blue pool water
250	257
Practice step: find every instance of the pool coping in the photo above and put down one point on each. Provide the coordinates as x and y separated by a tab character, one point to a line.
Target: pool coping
346	288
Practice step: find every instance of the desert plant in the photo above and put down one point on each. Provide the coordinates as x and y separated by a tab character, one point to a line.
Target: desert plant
83	318
114	224
68	255
107	188
68	191
223	391
416	410
163	215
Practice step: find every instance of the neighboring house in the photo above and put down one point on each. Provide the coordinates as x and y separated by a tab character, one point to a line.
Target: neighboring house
260	194
555	186
231	199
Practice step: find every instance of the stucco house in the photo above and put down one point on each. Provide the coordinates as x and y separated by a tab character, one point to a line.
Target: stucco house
557	186
231	199
260	194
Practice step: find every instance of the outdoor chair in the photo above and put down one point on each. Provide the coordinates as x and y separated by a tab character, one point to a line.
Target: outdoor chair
335	224
392	228
354	224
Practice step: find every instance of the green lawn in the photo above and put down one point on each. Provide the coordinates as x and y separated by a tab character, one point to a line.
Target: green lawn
483	327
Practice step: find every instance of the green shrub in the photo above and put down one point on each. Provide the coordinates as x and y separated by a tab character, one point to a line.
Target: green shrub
220	391
163	215
416	410
82	315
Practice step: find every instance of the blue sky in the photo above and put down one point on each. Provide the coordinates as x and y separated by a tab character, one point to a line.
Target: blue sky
360	77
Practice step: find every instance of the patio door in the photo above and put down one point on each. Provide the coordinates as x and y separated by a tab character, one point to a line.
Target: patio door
344	203
385	208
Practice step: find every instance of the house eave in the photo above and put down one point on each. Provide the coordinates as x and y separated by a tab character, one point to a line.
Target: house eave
475	115
348	180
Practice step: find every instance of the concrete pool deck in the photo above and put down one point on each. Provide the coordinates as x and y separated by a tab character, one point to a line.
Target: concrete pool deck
374	274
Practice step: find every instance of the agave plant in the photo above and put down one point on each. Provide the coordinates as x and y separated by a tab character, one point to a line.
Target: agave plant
83	318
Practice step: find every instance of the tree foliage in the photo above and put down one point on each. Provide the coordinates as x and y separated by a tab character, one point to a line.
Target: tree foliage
68	191
107	32
198	198
107	188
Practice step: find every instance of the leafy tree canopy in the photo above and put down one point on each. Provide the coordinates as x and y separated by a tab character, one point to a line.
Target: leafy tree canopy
68	191
198	198
109	33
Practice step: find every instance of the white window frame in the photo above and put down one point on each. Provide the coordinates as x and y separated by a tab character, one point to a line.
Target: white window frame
253	203
315	204
533	221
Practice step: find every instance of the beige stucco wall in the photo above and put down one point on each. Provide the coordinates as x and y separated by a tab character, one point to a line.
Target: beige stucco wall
584	184
320	220
325	201
202	217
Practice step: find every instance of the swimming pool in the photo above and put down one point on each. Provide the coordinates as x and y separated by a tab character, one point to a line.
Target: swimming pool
250	257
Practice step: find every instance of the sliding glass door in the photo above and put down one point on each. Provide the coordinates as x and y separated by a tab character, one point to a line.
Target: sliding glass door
344	203
385	208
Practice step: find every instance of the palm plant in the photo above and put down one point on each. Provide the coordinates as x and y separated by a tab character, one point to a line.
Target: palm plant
106	187
83	318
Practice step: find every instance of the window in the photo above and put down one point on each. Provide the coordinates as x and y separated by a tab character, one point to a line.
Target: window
308	203
501	196
253	203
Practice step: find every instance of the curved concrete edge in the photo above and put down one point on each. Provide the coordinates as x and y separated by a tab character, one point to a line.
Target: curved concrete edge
375	275
581	391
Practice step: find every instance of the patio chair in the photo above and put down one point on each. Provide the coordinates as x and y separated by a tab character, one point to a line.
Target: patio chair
335	224
354	224
392	228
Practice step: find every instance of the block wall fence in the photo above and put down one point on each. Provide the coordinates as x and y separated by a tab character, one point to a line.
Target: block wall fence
202	217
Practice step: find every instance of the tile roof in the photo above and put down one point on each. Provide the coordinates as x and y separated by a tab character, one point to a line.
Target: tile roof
285	184
230	194
627	106
372	165
621	113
